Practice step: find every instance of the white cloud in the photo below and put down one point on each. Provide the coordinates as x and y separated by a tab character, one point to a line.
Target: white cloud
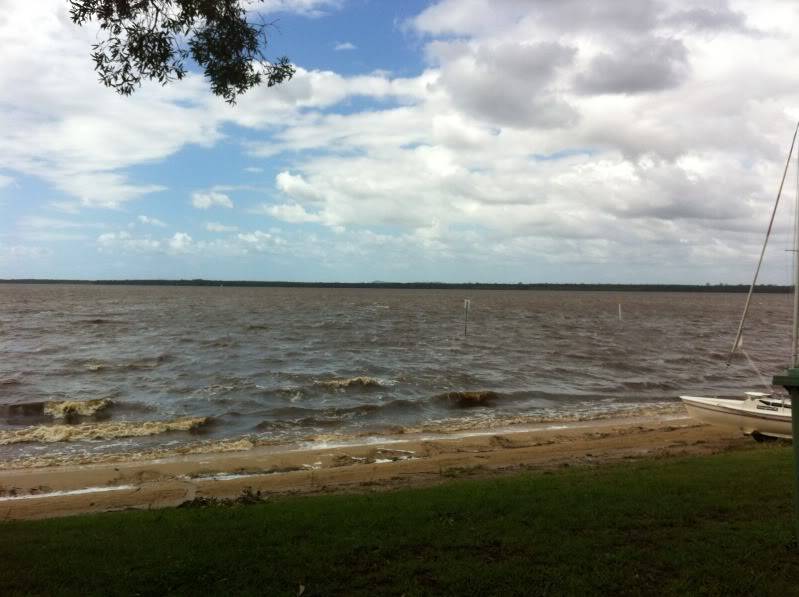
180	243
216	227
563	132
289	212
151	221
113	241
81	138
60	125
345	46
260	241
67	207
558	133
15	253
54	223
308	8
206	200
46	229
253	169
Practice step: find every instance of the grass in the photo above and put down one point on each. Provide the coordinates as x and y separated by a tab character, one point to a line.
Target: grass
719	525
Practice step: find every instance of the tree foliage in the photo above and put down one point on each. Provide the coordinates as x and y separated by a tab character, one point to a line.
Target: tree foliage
154	39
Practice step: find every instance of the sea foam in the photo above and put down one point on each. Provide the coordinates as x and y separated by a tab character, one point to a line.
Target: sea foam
65	409
98	431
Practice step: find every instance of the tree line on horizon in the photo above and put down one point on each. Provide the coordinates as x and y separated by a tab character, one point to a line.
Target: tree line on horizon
720	287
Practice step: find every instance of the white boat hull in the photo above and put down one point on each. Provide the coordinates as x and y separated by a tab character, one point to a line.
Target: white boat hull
752	416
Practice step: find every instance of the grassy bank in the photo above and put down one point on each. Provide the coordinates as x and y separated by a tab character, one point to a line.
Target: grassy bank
718	525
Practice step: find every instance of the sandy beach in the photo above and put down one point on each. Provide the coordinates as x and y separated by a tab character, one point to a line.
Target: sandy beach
62	490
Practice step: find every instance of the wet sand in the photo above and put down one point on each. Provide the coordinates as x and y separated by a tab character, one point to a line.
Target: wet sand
274	471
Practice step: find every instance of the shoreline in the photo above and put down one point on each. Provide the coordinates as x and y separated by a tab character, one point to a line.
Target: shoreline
430	430
168	481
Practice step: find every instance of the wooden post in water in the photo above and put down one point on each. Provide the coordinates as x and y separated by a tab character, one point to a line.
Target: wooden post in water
467	303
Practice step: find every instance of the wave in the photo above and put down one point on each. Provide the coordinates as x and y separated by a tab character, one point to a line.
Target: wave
99	431
148	363
295	416
468	399
481	424
91	366
143	363
636	385
97	321
10	381
477	425
226	342
68	409
360	381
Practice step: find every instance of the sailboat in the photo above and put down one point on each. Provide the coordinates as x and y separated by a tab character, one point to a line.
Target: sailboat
758	414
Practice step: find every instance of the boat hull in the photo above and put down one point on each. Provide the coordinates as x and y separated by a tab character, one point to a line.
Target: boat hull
748	416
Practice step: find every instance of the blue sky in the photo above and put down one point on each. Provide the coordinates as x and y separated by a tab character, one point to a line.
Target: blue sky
458	140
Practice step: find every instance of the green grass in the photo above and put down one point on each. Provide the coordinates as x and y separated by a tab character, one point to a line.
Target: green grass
719	525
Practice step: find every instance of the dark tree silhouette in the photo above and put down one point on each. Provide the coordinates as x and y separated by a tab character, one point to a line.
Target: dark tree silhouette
153	39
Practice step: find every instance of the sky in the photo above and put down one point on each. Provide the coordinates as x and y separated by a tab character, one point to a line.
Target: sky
451	140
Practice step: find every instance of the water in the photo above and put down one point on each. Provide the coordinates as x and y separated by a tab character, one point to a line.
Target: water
125	368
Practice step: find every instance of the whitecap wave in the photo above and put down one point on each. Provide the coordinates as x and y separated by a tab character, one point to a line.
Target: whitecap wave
66	409
98	431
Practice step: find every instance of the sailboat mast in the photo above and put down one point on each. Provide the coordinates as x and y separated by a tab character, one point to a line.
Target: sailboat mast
737	341
795	345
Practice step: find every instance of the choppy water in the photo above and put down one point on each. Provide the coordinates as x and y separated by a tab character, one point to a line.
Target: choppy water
103	368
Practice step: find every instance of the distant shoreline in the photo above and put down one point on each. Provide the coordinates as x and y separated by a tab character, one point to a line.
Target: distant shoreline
761	288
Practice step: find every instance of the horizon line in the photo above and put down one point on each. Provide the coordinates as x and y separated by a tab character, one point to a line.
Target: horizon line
707	286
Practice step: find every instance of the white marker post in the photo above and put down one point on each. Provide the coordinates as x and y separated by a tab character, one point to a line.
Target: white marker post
467	303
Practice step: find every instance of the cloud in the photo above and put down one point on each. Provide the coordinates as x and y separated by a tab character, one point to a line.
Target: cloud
81	138
180	243
47	229
710	19
308	8
481	18
345	46
508	83
261	242
206	200
215	227
651	65
67	207
290	212
61	126
604	135
151	221
253	169
111	241
16	253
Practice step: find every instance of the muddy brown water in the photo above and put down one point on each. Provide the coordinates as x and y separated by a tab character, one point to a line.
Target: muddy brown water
124	368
